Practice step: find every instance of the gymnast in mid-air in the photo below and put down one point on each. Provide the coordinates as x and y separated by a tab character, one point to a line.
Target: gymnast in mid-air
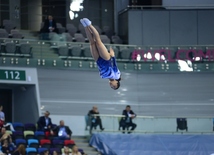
105	60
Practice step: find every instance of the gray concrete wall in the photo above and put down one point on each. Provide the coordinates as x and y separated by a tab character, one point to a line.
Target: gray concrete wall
169	27
26	95
31	15
13	13
187	4
70	92
35	15
25	104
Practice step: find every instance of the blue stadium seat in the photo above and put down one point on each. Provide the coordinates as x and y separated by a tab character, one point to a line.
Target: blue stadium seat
41	150
18	126
58	150
33	143
18	135
20	141
31	151
30	127
39	135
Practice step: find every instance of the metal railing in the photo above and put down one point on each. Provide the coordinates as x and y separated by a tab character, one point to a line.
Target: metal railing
139	58
155	124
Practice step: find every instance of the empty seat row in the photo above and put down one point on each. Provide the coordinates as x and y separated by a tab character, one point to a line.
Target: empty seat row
76	52
79	37
71	29
8	25
13	49
13	34
105	30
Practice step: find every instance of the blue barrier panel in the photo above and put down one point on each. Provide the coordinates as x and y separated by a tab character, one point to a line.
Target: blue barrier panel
120	144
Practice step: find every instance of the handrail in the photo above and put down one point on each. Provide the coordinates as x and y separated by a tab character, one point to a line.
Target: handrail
52	41
103	115
122	45
161	132
156	117
168	7
149	6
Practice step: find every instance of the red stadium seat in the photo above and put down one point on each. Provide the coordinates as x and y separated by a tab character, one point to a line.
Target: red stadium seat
45	143
69	143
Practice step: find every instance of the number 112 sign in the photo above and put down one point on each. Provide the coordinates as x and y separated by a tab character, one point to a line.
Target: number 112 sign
14	75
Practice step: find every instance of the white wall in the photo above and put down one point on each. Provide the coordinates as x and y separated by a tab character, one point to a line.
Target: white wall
187	4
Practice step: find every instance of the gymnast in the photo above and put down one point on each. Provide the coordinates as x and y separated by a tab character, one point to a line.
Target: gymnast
105	60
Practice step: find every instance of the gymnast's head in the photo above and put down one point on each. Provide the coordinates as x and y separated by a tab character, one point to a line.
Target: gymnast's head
114	84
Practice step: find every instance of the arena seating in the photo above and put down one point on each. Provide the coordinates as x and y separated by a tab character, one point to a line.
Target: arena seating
3	33
8	25
116	40
31	151
131	144
16	34
71	29
59	47
15	48
35	141
72	44
60	28
77	34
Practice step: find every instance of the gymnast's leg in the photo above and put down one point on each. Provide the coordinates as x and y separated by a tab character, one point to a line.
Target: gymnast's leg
103	52
94	51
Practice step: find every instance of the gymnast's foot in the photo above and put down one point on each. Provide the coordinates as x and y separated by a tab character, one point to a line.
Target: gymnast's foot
87	21
82	22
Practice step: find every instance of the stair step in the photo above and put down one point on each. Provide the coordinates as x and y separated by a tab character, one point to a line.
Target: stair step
86	149
80	140
92	153
79	137
82	144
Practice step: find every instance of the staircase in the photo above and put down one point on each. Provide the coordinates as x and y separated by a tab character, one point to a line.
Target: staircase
82	143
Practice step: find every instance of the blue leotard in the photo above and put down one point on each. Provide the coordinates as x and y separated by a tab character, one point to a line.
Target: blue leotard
108	68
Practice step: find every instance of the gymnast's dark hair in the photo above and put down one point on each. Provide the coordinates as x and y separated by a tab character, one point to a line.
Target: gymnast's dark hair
118	83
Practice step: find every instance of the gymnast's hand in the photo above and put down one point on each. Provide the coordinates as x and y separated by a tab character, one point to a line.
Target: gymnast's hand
111	52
